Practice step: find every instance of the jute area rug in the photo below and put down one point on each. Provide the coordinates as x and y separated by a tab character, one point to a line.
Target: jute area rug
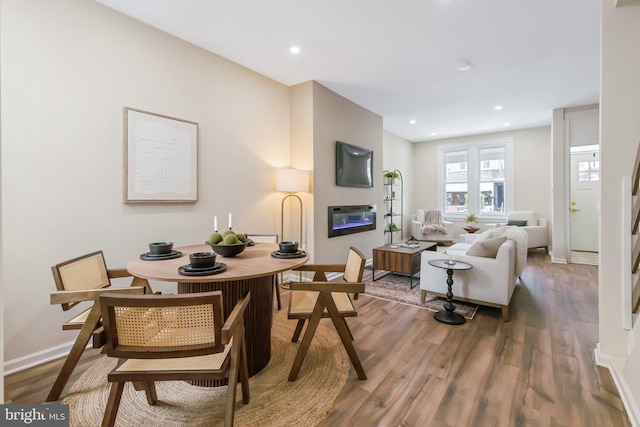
275	401
395	287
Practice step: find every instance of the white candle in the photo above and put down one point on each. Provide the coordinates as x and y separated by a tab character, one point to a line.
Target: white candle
215	223
229	220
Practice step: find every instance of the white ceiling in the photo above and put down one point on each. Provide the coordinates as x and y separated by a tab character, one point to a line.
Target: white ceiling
400	58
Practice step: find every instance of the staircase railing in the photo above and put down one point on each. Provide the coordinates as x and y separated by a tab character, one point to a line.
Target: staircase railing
635	225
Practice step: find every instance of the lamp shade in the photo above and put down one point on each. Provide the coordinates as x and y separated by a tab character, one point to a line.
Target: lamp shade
292	180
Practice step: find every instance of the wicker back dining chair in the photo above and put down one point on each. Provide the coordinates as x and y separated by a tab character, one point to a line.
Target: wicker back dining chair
174	337
320	298
84	279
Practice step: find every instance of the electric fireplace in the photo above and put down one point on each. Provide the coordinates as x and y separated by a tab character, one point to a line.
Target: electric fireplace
351	219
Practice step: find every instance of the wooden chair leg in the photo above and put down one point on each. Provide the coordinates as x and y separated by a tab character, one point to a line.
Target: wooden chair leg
138	281
348	329
314	321
423	295
76	351
113	404
276	287
233	384
505	313
244	371
150	391
296	333
343	331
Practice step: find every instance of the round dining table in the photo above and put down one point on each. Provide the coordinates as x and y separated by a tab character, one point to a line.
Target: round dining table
254	270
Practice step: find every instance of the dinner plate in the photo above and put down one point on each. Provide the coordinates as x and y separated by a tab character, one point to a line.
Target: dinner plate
288	255
187	270
153	257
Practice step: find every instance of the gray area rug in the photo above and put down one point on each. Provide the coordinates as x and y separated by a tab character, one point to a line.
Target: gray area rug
395	287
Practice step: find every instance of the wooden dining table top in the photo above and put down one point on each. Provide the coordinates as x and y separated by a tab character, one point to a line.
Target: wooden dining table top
254	261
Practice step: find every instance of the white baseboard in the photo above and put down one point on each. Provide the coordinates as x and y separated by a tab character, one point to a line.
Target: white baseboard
37	358
606	361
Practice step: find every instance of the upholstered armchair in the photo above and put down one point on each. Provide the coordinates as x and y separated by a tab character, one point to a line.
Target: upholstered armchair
442	231
537	228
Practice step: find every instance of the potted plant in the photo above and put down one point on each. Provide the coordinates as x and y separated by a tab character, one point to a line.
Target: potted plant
390	176
471	220
392	227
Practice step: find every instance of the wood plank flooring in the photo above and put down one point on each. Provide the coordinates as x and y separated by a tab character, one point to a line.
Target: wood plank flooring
536	370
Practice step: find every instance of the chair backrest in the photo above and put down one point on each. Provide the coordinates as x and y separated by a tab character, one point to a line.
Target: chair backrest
530	216
163	326
354	268
429	216
264	238
84	273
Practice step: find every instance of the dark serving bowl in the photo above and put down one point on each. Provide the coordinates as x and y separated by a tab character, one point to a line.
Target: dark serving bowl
202	259
228	250
160	248
288	247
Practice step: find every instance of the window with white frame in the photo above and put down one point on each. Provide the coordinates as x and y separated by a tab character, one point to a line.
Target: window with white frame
476	179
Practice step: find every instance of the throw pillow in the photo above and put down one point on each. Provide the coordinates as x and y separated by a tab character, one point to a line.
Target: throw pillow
517	222
487	248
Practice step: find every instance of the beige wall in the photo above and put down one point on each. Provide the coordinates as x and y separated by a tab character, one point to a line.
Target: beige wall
301	140
337	119
397	153
68	69
531	157
619	138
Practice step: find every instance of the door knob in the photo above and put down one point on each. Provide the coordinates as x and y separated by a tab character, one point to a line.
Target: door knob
574	210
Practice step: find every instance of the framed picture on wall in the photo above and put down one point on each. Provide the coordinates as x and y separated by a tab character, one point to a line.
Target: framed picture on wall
160	158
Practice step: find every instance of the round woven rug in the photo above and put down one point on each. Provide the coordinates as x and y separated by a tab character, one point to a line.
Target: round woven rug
275	401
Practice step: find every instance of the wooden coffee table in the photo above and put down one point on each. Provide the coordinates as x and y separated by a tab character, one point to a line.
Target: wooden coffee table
397	259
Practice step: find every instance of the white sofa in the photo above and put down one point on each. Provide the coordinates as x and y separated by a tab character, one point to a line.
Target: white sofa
418	220
490	282
537	228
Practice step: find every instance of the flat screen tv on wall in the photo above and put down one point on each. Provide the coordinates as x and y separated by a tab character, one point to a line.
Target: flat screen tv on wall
354	165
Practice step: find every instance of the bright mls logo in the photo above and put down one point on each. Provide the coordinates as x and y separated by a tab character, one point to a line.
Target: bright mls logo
53	415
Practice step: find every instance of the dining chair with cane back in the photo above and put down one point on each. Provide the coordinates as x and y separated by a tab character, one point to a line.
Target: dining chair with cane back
269	238
174	337
320	298
84	279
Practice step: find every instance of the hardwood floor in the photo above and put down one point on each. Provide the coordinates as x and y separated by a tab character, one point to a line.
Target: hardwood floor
536	370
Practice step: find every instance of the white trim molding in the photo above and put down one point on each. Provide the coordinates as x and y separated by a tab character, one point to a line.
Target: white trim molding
615	368
37	358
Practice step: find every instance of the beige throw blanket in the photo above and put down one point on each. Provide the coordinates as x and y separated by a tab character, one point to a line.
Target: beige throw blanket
433	222
520	238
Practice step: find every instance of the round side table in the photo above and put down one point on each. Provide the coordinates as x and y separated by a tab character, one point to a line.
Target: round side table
447	315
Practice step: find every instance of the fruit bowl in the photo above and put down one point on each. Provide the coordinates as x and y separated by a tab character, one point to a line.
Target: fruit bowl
228	250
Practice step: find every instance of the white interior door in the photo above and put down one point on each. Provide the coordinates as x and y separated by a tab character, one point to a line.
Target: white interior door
585	200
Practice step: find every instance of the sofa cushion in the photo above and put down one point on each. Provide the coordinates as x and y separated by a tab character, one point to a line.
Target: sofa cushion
487	248
517	222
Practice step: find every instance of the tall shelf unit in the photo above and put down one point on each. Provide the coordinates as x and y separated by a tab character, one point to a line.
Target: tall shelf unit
393	205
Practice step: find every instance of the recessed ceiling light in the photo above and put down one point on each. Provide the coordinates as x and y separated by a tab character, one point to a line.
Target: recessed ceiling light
498	107
464	66
413	122
433	134
507	124
294	49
